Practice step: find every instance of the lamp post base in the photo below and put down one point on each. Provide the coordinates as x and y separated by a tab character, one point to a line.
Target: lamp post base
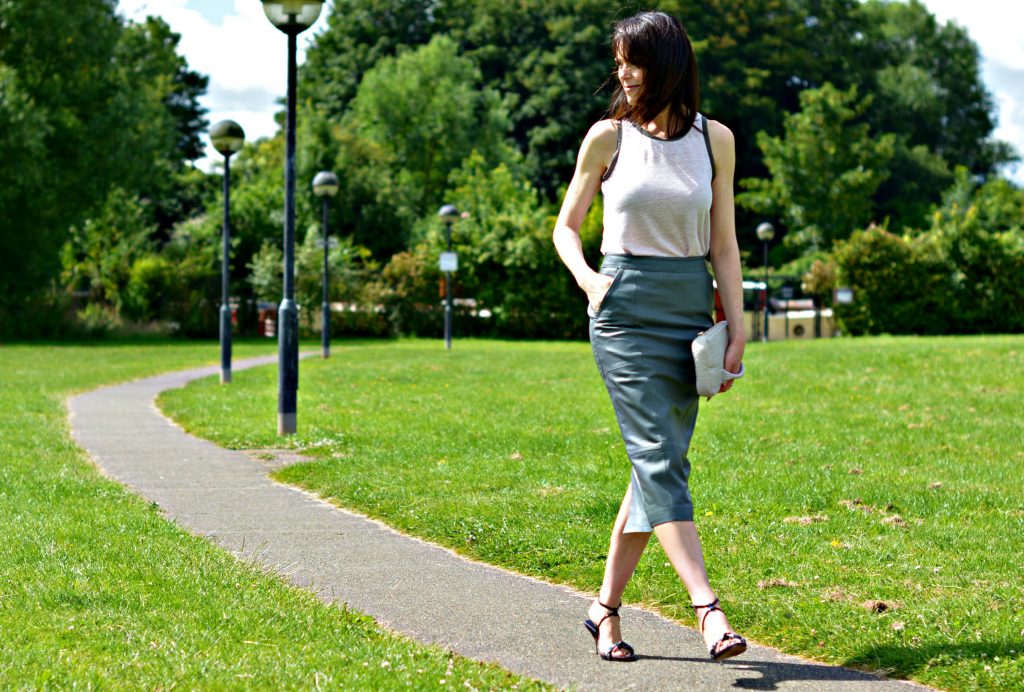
286	424
225	377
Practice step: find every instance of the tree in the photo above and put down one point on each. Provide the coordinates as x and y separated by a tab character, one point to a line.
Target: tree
89	106
164	122
825	169
414	119
929	92
507	262
359	34
959	275
979	232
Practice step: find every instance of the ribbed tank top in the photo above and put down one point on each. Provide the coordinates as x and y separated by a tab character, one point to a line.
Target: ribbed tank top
657	194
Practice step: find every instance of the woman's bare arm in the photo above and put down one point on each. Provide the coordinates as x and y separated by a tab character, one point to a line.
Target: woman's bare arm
725	253
595	154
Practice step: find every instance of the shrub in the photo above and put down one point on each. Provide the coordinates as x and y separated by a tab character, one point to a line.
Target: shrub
151	282
900	285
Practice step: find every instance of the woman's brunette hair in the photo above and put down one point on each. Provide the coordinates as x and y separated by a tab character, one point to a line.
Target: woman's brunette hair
658	43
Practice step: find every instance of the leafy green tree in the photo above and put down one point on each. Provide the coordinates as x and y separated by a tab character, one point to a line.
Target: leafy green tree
929	85
351	267
163	122
193	300
931	96
506	260
359	33
25	201
825	169
414	119
550	58
57	83
89	106
960	275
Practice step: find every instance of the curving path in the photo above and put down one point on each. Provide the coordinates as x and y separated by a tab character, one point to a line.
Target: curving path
422	590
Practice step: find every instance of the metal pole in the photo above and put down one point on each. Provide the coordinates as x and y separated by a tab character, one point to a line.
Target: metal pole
325	330
764	335
448	293
288	313
225	306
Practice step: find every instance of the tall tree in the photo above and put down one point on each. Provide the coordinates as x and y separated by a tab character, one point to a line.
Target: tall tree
415	117
824	170
91	106
931	96
359	33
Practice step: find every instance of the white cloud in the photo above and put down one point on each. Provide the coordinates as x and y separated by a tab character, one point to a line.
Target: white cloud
997	26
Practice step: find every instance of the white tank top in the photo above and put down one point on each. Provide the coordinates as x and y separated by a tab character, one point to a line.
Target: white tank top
657	194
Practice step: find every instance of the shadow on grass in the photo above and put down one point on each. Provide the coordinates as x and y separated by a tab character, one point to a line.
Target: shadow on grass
774	674
906	660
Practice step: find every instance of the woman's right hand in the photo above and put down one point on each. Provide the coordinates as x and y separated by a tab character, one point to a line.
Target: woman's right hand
596	286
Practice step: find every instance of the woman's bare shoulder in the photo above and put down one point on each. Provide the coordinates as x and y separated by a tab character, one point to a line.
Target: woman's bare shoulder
721	136
601	140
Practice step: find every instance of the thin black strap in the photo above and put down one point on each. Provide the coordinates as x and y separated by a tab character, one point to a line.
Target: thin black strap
707	142
612	612
713	606
615	156
695	607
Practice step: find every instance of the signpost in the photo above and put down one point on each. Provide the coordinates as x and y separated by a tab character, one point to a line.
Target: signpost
449	262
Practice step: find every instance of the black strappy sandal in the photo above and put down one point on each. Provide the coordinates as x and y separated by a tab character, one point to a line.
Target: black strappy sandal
734	649
595	631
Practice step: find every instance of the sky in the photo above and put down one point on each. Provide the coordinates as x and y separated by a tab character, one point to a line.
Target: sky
245	57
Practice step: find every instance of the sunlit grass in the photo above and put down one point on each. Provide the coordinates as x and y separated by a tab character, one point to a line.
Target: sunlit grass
836	476
98	590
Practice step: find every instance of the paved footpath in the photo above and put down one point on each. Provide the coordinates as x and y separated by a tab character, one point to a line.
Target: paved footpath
408	585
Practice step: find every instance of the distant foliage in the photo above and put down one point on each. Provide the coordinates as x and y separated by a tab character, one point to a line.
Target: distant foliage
961	275
91	107
824	170
847	115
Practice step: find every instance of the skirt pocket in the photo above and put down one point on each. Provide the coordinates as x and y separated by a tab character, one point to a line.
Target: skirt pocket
616	279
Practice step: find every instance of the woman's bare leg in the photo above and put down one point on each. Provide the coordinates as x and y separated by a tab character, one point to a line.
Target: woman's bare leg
624	553
682	545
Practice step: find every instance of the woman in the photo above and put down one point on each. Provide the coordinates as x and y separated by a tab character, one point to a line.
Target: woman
666	175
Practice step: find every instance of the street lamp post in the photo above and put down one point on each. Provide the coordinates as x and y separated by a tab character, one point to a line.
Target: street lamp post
292	17
325	185
765	232
448	213
228	138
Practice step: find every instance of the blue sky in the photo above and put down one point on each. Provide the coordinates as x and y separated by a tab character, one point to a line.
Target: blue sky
233	43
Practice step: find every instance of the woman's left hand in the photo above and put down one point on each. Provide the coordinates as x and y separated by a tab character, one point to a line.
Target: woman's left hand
733	361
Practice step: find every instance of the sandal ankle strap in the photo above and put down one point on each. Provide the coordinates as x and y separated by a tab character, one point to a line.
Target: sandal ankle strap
711	607
612	612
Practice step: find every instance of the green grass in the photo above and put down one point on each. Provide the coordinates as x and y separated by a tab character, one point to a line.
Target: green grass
816	482
98	590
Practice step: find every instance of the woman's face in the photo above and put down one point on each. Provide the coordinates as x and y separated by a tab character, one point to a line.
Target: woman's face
630	77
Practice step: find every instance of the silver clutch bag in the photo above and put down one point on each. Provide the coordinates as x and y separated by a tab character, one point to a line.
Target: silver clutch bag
709	360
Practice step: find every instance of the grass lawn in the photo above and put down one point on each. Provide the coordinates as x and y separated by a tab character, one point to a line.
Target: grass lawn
98	590
860	500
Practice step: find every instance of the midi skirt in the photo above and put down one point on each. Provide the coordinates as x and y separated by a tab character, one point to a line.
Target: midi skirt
641	336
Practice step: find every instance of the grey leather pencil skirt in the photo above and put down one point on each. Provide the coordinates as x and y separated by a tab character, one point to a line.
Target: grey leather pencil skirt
641	336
